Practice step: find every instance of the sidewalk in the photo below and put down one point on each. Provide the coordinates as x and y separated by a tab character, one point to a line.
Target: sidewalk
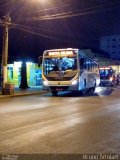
24	92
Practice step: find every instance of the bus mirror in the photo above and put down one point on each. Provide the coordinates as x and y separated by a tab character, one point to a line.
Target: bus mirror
39	61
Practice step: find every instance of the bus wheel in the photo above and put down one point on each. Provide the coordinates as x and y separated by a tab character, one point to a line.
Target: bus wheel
54	93
84	91
92	90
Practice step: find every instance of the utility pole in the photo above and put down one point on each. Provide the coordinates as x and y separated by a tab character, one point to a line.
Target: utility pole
6	22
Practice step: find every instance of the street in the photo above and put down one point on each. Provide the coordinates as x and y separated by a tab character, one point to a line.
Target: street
69	124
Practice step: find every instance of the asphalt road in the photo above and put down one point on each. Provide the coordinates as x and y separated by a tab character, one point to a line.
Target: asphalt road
65	124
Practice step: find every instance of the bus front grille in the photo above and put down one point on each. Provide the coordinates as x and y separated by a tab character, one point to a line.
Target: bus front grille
59	78
62	88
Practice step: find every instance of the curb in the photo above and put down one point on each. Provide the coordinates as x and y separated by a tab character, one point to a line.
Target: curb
22	94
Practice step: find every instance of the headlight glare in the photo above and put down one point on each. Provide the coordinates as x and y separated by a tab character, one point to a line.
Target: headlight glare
45	83
111	78
74	82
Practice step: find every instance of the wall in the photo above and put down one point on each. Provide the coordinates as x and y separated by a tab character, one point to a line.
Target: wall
33	74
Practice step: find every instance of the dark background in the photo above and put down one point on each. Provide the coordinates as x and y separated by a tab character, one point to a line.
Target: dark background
97	18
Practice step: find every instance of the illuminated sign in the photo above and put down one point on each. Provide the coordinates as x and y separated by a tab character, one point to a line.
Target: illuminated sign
105	68
60	53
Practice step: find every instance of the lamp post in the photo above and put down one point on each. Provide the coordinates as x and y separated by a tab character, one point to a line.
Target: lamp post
6	23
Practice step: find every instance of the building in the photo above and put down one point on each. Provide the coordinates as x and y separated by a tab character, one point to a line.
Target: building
34	73
100	56
103	59
111	45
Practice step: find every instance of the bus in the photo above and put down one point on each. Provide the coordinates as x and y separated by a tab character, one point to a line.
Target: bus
68	70
107	76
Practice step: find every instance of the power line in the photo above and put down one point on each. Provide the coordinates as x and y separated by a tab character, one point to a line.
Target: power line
38	34
53	8
84	9
61	16
70	14
29	28
42	35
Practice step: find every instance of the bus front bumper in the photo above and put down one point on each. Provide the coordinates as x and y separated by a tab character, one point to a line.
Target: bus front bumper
60	86
106	82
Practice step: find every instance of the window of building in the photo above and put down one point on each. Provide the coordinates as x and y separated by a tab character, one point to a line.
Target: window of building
10	72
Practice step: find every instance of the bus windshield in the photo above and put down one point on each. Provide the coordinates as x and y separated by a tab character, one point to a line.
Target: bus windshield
106	73
61	66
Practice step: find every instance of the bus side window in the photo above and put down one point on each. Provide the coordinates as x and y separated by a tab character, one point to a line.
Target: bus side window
94	66
90	66
87	64
82	63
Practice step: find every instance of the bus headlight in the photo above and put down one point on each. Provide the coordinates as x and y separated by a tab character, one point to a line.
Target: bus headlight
45	83
111	78
74	82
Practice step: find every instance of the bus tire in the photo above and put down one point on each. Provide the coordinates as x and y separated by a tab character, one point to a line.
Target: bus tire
94	87
54	93
91	90
84	91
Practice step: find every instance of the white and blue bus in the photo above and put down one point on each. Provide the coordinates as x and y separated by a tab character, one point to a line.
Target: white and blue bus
68	70
107	76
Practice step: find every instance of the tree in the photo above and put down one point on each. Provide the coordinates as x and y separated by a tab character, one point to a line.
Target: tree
24	84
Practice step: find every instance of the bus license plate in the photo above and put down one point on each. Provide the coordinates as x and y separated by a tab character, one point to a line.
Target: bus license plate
59	89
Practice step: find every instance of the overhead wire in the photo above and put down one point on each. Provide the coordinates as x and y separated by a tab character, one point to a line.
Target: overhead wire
70	14
29	28
45	36
38	34
52	8
61	15
84	9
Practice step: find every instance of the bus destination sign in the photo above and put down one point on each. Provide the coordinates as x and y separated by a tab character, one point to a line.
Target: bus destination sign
61	53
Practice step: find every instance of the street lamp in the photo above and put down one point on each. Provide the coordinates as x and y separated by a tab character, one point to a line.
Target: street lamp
6	22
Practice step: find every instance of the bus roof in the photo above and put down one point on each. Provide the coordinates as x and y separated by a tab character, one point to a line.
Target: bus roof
61	49
106	67
79	51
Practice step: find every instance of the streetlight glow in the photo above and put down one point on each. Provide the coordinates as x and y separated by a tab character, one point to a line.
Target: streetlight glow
40	1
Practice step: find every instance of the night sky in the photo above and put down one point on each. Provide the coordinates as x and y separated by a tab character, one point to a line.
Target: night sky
38	25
